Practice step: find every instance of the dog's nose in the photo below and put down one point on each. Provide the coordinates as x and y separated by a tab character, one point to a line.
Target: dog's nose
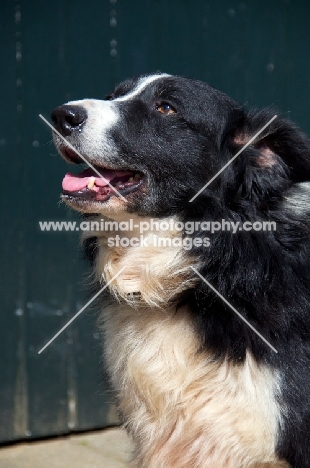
68	118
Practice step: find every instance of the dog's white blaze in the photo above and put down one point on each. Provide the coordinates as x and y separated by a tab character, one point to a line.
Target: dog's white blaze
102	116
142	84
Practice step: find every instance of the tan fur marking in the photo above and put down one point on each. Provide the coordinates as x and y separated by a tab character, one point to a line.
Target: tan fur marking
241	139
267	157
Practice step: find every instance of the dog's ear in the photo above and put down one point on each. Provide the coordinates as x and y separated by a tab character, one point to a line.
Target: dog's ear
281	143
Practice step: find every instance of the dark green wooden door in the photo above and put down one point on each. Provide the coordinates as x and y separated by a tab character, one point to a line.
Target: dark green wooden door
52	52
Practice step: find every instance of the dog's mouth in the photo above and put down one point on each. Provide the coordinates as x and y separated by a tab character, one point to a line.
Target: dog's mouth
99	183
88	185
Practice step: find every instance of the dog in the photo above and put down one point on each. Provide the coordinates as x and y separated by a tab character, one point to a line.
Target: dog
198	384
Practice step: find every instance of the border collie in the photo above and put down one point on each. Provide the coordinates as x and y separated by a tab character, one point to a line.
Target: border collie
196	386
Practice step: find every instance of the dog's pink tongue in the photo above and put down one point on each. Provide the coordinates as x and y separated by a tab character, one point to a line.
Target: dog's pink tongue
75	182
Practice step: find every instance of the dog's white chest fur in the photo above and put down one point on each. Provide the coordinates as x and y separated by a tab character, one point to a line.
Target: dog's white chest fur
183	408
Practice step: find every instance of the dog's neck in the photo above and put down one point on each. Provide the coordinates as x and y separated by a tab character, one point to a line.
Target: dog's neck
156	268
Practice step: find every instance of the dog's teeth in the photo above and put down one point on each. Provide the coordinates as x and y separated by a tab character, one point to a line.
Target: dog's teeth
91	182
136	177
131	179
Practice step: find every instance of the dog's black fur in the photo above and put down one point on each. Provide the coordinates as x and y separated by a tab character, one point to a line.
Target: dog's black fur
264	275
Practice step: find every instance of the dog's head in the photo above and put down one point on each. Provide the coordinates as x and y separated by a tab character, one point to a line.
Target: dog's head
158	139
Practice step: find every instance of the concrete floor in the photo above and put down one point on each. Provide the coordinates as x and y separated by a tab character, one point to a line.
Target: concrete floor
105	449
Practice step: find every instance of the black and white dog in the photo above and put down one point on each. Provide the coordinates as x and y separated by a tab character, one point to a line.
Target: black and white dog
196	386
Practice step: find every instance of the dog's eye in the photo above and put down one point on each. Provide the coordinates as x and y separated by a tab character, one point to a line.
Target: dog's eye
165	108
